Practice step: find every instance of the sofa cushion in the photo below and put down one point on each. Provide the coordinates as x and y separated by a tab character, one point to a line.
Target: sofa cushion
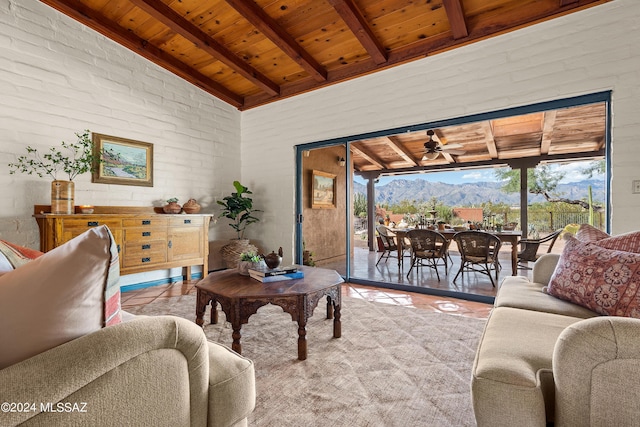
13	256
604	280
628	242
512	381
588	233
59	296
519	292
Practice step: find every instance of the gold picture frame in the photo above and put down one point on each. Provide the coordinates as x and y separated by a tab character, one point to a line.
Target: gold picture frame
323	190
122	161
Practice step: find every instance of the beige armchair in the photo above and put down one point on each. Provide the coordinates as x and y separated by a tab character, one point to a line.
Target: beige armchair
154	371
596	367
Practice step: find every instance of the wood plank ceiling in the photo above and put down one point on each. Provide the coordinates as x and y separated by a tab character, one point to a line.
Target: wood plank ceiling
252	52
568	133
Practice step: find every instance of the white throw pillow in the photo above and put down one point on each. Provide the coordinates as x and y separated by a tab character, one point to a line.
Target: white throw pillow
55	298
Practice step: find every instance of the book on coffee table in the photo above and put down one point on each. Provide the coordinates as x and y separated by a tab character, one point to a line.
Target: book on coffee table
266	272
277	277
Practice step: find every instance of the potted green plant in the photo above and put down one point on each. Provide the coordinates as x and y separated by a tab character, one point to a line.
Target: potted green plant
73	159
249	260
239	209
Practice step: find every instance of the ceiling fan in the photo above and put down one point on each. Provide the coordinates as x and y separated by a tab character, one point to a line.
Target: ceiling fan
432	149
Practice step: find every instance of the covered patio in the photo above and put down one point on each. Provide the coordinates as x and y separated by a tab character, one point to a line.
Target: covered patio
387	273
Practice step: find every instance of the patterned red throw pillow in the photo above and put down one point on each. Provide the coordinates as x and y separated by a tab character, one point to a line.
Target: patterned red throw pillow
603	280
628	242
588	233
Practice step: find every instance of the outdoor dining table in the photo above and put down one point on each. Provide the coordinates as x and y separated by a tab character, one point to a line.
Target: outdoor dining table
511	237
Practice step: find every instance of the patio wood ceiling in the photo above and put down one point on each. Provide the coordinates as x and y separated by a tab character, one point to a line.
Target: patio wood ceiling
576	132
250	53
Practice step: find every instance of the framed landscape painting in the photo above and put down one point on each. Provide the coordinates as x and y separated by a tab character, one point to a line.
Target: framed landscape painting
323	190
123	161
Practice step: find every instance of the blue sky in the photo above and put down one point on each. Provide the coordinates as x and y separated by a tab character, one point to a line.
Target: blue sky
571	170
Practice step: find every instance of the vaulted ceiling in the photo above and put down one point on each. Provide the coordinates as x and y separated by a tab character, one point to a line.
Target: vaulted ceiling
252	52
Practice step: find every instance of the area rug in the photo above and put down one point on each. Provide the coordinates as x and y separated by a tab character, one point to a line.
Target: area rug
393	366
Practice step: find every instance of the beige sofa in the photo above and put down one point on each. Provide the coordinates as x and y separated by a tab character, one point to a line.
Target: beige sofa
153	371
542	359
66	359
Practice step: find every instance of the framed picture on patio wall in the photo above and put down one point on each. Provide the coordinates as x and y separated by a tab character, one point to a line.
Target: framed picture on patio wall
323	190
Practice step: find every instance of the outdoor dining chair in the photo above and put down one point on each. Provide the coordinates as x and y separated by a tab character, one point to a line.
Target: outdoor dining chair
388	243
529	249
428	247
479	252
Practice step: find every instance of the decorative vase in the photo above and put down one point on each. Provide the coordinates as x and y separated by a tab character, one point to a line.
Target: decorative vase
273	259
62	195
244	266
191	207
172	208
231	251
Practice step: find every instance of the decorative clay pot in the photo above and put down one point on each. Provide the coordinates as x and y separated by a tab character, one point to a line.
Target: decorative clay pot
191	207
172	208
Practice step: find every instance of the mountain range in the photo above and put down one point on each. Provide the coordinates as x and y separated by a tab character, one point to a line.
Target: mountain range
472	194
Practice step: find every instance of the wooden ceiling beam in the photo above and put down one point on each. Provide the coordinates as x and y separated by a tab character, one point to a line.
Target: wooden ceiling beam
394	143
274	32
448	157
430	167
368	156
354	19
94	20
456	18
547	131
491	141
163	13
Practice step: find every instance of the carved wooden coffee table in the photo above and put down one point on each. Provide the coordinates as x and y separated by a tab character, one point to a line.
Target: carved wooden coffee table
241	296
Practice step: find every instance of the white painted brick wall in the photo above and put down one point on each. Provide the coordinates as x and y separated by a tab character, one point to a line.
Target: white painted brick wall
58	77
585	52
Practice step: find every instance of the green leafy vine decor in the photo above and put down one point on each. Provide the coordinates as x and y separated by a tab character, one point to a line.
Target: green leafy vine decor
73	159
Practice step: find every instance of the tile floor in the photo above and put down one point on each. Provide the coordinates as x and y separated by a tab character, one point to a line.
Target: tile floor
387	296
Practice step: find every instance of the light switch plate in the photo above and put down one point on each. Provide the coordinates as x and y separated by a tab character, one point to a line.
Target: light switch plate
636	187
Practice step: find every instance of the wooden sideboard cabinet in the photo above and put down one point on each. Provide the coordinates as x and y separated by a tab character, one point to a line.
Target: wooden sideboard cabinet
147	239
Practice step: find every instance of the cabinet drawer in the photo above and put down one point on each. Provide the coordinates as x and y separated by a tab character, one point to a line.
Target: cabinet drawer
138	254
144	222
141	234
70	232
186	220
87	223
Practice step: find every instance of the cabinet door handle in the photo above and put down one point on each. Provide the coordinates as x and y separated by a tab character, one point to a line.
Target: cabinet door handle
170	244
187	221
146	259
146	233
146	222
92	223
146	247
